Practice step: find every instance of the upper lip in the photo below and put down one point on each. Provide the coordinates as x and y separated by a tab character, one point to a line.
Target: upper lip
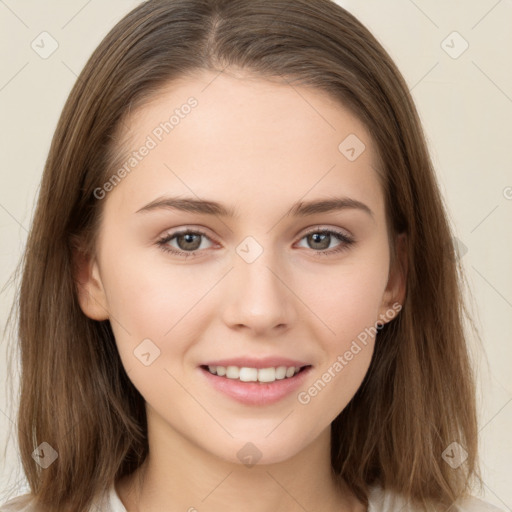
251	362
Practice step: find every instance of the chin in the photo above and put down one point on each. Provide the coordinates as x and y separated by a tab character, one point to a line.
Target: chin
259	451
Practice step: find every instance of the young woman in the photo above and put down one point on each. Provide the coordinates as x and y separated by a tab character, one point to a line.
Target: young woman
239	290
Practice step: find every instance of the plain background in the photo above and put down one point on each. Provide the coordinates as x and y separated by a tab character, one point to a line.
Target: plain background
465	102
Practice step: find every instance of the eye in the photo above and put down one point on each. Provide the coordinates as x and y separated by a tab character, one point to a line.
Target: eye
322	238
189	241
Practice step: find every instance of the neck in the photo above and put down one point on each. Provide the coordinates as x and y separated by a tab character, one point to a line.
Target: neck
179	476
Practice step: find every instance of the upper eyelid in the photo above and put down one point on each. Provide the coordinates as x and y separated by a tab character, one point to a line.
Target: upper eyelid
181	231
203	231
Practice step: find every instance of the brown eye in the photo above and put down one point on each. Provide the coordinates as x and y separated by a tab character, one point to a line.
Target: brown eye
188	242
320	241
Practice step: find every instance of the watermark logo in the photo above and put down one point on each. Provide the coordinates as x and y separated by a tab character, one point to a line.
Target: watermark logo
454	455
249	455
454	45
44	45
146	352
249	249
342	360
459	248
45	455
352	147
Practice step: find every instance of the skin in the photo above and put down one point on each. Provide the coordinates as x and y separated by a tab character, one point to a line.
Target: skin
257	146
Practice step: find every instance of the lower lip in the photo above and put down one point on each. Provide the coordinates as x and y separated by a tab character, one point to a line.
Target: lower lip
256	393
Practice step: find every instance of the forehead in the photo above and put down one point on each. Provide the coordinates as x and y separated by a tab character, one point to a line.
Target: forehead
226	136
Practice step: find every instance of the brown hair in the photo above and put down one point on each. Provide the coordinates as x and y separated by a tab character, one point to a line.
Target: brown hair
418	395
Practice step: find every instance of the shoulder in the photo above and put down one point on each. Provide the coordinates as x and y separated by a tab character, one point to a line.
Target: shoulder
384	500
473	504
107	502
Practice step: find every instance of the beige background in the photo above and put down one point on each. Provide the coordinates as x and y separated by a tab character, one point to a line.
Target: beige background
465	104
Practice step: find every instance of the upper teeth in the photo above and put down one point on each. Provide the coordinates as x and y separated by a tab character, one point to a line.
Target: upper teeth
254	374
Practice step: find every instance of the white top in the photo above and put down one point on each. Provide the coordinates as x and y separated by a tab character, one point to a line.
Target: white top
379	501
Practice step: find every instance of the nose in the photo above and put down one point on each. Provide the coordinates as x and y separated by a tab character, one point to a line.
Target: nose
258	298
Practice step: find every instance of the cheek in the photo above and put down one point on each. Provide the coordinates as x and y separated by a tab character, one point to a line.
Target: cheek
149	297
150	300
346	298
150	325
348	306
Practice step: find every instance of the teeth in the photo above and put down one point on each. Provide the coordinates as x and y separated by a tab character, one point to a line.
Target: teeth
254	374
232	372
280	372
248	374
267	374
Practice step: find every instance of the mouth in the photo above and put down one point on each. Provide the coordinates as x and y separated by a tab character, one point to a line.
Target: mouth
255	386
258	375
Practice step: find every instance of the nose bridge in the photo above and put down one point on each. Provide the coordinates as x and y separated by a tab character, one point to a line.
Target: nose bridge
259	298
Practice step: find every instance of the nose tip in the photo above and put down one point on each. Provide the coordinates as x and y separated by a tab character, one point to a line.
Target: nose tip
259	299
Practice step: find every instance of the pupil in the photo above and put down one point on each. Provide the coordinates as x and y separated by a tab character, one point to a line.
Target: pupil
326	238
189	239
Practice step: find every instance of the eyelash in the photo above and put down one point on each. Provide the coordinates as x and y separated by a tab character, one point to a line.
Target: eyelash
347	242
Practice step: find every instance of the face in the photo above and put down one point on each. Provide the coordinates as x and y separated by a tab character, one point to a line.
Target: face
256	278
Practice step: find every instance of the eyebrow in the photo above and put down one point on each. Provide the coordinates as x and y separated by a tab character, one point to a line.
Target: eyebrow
299	209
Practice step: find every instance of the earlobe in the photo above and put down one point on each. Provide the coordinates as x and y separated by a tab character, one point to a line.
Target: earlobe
89	287
394	295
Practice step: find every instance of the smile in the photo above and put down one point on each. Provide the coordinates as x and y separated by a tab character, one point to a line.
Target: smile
255	386
247	374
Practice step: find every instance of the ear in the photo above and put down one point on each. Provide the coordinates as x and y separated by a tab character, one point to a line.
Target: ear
396	288
89	287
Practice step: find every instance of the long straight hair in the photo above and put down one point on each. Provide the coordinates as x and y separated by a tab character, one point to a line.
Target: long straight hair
418	395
